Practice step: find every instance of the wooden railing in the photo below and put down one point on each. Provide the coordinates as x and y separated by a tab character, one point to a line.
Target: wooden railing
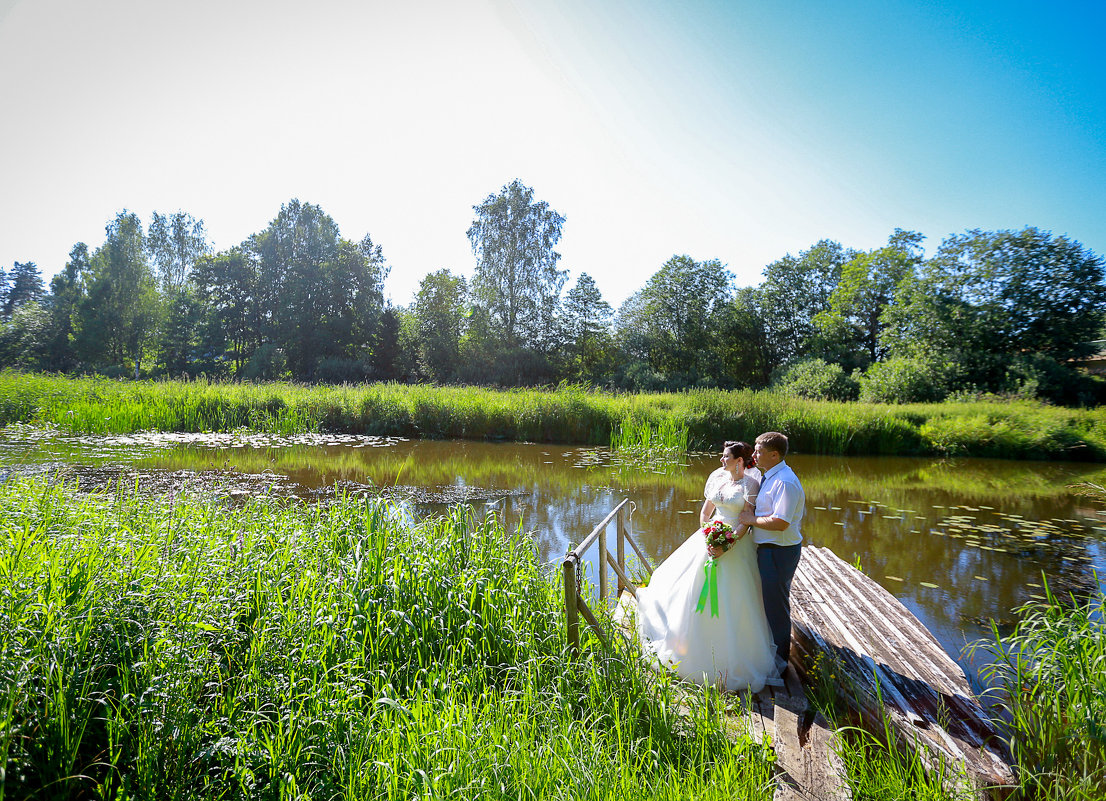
575	605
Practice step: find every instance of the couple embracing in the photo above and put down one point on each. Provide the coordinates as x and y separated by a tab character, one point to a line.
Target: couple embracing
723	617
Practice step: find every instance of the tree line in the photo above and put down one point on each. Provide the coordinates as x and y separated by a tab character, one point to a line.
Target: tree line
990	312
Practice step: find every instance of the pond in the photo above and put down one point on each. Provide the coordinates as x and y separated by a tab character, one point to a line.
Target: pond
959	542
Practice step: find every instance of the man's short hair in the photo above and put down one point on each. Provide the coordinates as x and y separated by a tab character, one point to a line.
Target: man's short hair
773	441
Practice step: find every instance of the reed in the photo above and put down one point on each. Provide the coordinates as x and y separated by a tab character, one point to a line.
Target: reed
1016	429
179	648
1052	689
665	440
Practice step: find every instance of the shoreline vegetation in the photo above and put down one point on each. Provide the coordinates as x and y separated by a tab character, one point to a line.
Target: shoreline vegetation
1016	429
181	647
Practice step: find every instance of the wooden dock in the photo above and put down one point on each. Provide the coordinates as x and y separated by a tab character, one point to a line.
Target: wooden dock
893	669
889	668
807	765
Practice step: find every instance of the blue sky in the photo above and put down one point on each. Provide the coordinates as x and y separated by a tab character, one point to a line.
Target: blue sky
740	131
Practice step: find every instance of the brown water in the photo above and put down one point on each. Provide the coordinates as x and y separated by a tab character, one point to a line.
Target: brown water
958	542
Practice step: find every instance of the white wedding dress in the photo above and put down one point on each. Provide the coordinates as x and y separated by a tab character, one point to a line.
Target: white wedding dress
733	651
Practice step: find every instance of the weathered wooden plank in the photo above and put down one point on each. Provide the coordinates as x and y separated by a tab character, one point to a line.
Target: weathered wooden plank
809	768
895	667
898	629
928	676
923	671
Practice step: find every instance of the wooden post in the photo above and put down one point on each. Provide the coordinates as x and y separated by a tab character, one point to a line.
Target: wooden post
620	524
602	567
571	616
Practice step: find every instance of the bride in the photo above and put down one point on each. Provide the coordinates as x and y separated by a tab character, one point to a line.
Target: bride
729	646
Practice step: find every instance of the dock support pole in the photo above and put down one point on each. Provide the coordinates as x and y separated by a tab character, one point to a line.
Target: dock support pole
620	548
602	567
572	617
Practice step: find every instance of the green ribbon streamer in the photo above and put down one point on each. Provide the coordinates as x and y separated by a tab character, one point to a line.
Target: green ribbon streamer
710	589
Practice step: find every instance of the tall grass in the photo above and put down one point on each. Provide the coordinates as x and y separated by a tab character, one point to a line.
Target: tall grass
1052	672
176	649
875	763
632	436
1021	429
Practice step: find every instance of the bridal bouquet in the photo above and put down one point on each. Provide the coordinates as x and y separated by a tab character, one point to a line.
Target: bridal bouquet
720	536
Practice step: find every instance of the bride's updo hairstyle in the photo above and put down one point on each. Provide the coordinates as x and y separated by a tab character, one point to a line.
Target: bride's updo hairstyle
741	449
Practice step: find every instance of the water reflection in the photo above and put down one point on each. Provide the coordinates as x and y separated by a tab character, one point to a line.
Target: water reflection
960	543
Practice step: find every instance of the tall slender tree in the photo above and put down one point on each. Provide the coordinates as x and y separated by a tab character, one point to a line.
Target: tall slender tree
24	285
175	242
119	311
586	322
517	278
440	310
66	289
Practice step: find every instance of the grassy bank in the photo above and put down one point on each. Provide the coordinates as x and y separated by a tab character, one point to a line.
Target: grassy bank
150	651
1023	430
179	648
1052	673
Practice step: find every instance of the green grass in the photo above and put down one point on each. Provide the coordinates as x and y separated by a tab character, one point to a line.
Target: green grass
177	648
666	440
1016	429
875	770
1052	673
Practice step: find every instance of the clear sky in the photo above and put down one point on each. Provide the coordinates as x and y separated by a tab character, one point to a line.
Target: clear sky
740	130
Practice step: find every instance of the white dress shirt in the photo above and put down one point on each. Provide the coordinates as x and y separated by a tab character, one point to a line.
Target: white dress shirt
781	495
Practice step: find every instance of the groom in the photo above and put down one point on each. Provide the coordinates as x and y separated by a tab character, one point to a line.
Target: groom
775	521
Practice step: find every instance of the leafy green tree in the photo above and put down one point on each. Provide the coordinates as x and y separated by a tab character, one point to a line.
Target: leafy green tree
440	314
989	297
1005	292
854	323
25	338
231	329
675	318
587	327
295	253
175	244
740	349
24	285
320	296
481	353
586	313
119	310
517	279
358	311
180	329
795	290
408	367
387	355
66	288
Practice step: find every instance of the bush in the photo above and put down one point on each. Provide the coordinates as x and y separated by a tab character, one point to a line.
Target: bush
267	363
817	380
1035	376
902	380
333	370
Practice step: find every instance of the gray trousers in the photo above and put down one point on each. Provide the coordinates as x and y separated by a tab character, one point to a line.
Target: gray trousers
777	565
